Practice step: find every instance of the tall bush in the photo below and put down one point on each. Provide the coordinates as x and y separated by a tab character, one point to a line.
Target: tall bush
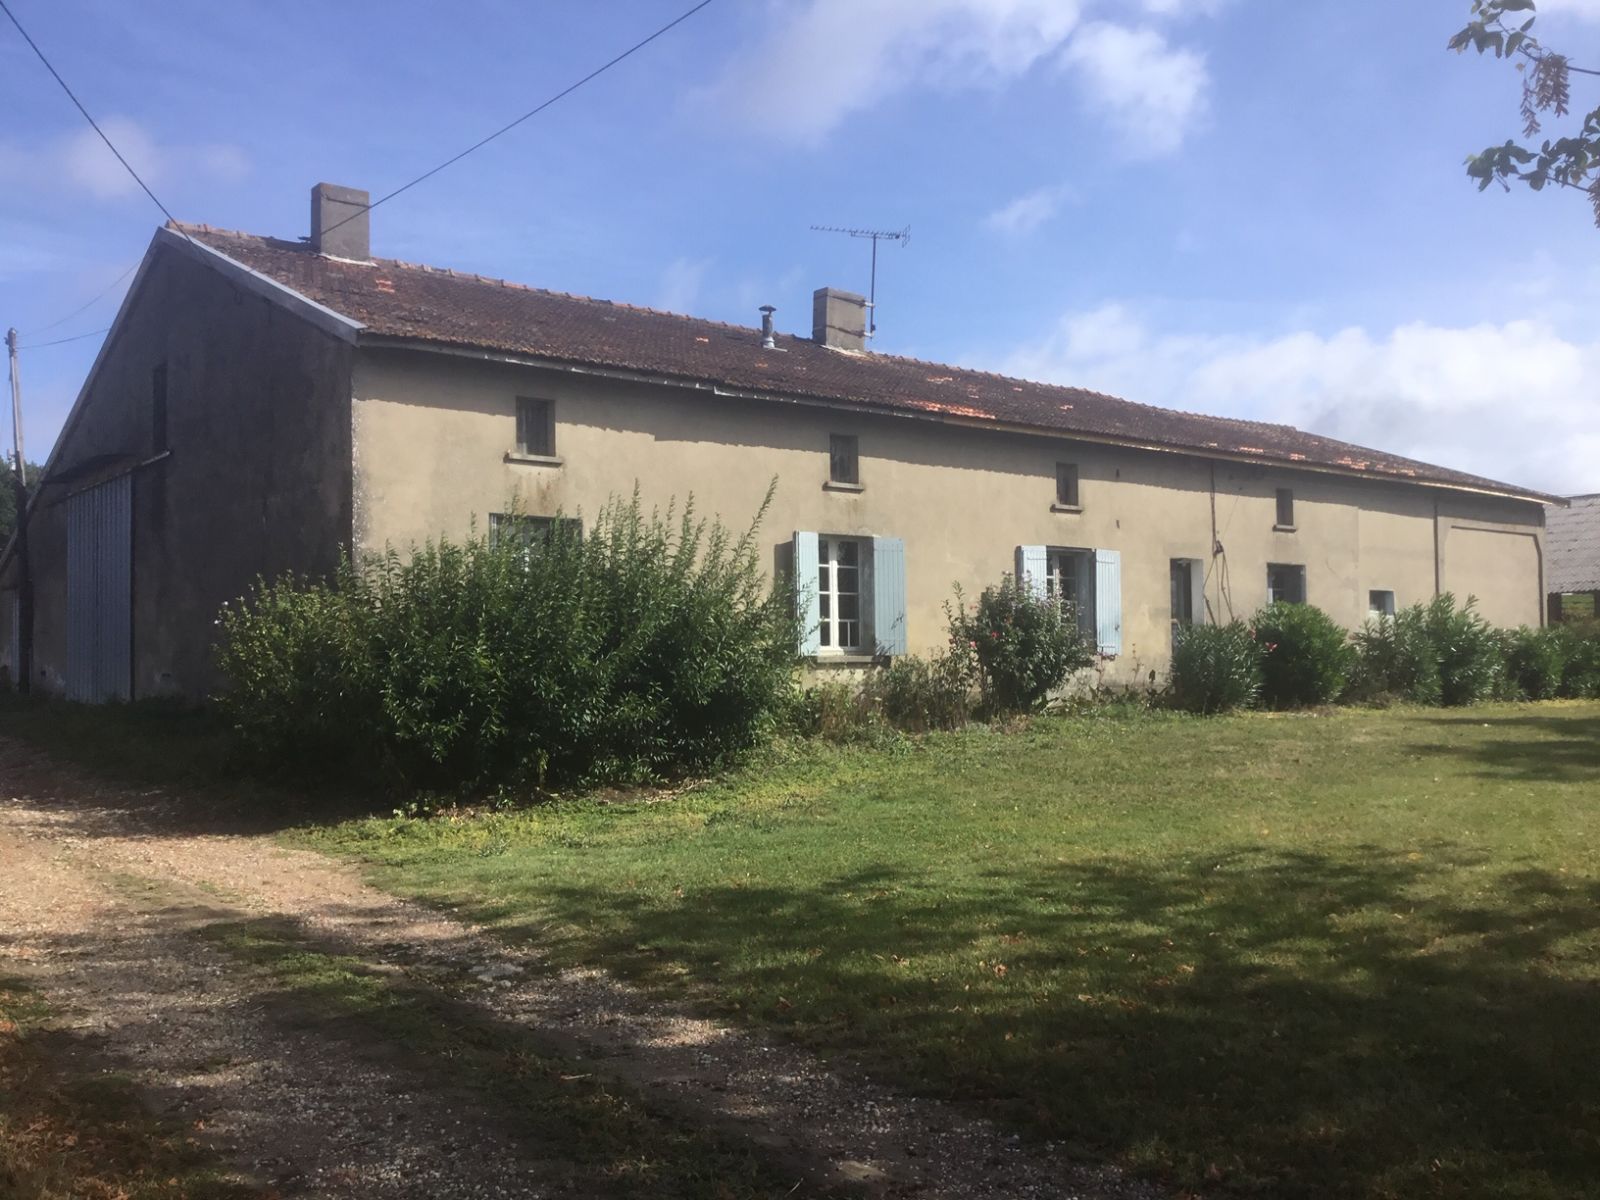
298	657
1471	655
1396	659
1580	671
1215	668
647	647
1022	643
1535	661
1305	657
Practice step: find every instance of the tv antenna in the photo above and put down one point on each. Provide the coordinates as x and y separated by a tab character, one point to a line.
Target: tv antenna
903	236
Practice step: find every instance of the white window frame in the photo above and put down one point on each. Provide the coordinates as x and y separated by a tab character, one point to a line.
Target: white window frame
1079	581
830	555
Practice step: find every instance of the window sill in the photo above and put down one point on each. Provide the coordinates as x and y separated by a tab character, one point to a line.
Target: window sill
834	485
1283	529
846	660
1066	508
534	460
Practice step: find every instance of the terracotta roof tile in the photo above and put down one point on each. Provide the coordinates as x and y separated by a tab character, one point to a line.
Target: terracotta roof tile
449	308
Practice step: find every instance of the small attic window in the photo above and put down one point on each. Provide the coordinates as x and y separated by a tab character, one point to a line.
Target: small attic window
1067	485
536	427
1285	508
844	459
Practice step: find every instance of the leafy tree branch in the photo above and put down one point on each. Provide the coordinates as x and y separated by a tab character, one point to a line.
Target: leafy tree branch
1505	29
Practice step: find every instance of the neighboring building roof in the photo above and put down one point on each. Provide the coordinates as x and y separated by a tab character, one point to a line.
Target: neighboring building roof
1572	546
450	309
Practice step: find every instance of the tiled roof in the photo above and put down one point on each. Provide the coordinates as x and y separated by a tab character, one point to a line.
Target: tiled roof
448	308
1572	546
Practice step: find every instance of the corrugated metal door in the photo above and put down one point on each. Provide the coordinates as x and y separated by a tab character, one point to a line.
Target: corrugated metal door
100	592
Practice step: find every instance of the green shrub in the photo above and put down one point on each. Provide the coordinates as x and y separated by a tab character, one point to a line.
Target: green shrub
1580	673
1396	660
1215	668
298	656
836	711
1022	645
1471	654
916	694
1535	662
1305	657
647	648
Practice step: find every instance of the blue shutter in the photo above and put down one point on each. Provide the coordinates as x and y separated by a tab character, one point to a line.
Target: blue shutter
889	594
1108	600
1033	567
806	604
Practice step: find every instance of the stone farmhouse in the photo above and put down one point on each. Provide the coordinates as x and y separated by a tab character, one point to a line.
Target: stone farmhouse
262	406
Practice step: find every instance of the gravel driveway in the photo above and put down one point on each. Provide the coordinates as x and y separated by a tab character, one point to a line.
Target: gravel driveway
107	897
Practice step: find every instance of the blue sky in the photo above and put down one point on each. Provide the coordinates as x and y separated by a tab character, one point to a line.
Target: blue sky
1245	207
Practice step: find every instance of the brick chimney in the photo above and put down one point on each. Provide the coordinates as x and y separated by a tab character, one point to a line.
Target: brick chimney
339	225
839	319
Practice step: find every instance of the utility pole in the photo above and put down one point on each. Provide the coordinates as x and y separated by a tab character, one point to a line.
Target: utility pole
24	602
16	399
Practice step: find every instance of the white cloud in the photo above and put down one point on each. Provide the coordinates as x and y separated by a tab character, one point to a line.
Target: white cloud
1149	91
1028	211
82	160
1583	10
1183	8
824	61
1512	401
681	283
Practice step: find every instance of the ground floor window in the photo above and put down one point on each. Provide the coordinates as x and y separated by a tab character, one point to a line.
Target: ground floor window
1182	591
1380	603
839	594
1070	578
1286	583
530	532
1187	606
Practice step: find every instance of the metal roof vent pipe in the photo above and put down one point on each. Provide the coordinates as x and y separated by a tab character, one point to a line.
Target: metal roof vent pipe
769	336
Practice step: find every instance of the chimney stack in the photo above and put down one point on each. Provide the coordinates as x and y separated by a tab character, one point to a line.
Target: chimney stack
339	224
769	337
839	319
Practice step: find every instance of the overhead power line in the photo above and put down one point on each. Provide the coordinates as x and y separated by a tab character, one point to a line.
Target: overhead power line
507	128
87	304
92	123
77	337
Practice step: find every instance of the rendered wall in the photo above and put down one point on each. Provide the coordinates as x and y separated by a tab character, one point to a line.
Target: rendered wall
432	434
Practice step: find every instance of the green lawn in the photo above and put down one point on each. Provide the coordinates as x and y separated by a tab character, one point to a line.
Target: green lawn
1348	955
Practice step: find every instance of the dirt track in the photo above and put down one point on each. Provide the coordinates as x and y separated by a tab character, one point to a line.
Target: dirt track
109	898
